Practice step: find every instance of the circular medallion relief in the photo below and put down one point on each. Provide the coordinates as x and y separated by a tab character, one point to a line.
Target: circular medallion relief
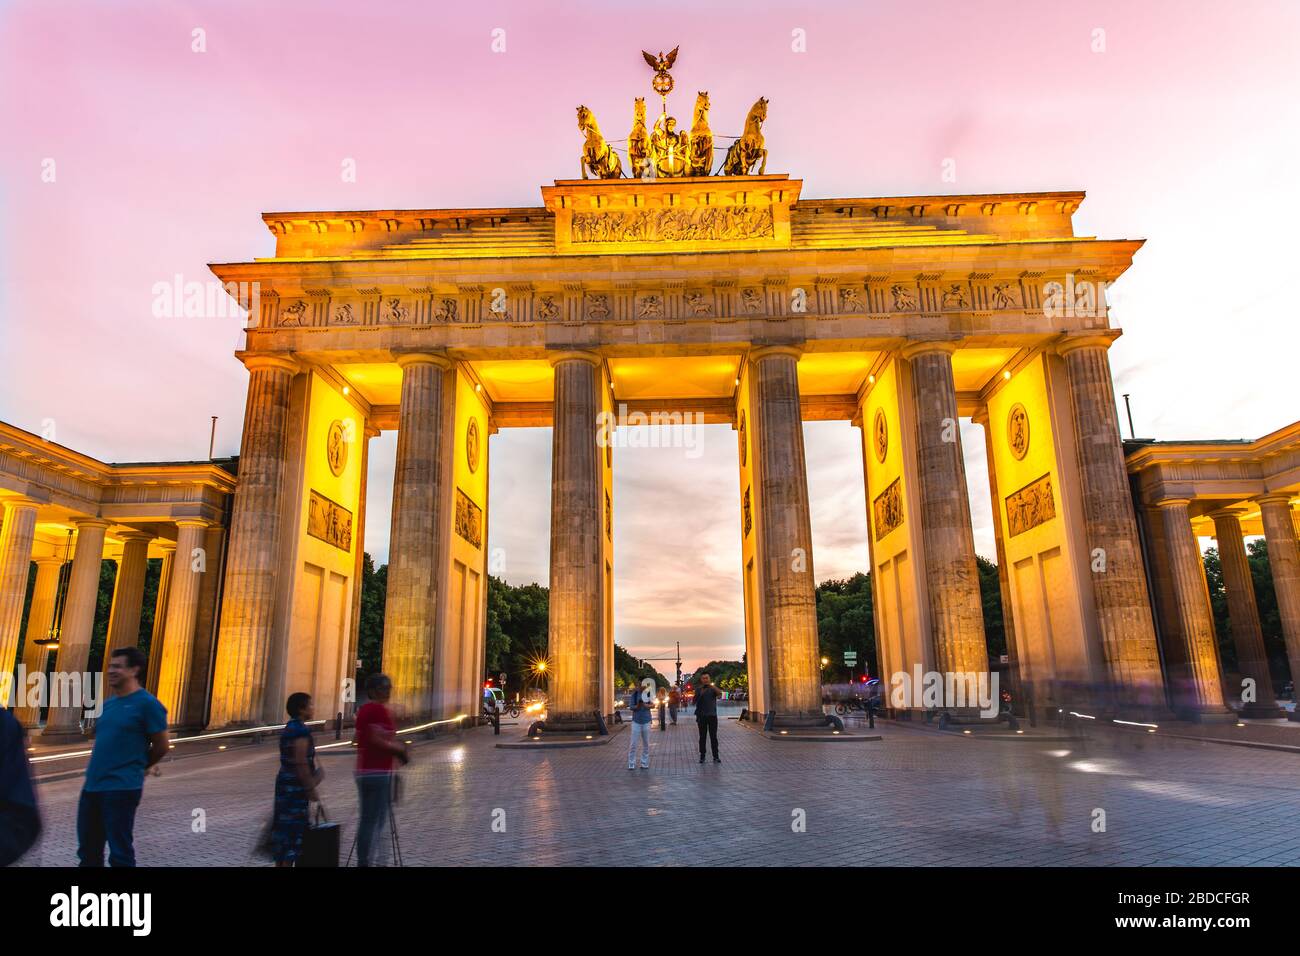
744	440
471	445
880	434
336	447
1018	431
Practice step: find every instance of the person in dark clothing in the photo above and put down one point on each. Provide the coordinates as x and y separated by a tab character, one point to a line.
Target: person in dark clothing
706	715
20	822
295	784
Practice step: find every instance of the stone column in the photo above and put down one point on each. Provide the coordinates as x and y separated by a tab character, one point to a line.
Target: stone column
1284	564
410	613
577	524
160	616
192	711
182	612
62	724
1004	579
786	573
952	578
1120	591
45	596
1243	613
1204	683
128	596
16	536
256	527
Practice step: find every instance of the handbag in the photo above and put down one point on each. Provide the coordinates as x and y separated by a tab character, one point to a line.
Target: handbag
320	842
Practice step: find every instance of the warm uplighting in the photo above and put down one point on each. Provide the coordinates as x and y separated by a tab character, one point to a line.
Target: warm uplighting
1006	376
478	386
825	661
871	380
346	391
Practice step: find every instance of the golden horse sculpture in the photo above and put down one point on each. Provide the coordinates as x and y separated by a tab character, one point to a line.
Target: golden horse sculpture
700	161
638	141
749	148
597	155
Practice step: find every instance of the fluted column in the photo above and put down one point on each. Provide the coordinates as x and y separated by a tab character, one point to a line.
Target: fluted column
1243	613
195	705
182	611
160	616
1203	681
1120	591
576	528
1284	564
256	527
786	574
410	613
128	596
40	618
952	577
999	543
78	622
16	536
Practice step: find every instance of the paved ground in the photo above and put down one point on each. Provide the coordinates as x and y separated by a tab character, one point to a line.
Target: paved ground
914	798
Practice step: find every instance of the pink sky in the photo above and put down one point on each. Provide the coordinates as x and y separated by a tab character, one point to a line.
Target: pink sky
1183	131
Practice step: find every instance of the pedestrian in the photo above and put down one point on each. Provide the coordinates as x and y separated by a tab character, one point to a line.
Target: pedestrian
20	821
130	737
641	717
377	747
674	701
706	715
295	784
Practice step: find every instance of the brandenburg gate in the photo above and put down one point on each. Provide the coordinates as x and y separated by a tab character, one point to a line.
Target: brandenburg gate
731	296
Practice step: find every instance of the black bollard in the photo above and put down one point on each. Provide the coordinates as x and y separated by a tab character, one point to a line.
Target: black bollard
338	726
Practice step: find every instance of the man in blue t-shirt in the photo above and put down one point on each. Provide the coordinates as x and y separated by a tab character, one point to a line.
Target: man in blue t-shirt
641	716
130	737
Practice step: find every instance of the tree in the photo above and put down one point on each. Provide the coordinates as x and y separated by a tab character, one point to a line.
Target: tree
845	623
1270	621
370	632
995	635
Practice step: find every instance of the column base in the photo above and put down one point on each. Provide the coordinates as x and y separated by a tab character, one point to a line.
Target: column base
570	725
1263	711
64	737
1209	716
802	723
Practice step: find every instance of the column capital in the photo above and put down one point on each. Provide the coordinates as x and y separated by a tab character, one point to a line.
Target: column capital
913	349
981	416
89	524
134	535
167	546
575	355
1233	512
191	522
284	362
1085	340
1274	498
439	359
48	560
1173	502
20	502
767	351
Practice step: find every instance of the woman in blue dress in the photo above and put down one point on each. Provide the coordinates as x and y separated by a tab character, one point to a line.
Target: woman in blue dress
295	784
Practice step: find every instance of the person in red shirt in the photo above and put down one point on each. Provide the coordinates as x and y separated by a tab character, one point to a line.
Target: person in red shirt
377	747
